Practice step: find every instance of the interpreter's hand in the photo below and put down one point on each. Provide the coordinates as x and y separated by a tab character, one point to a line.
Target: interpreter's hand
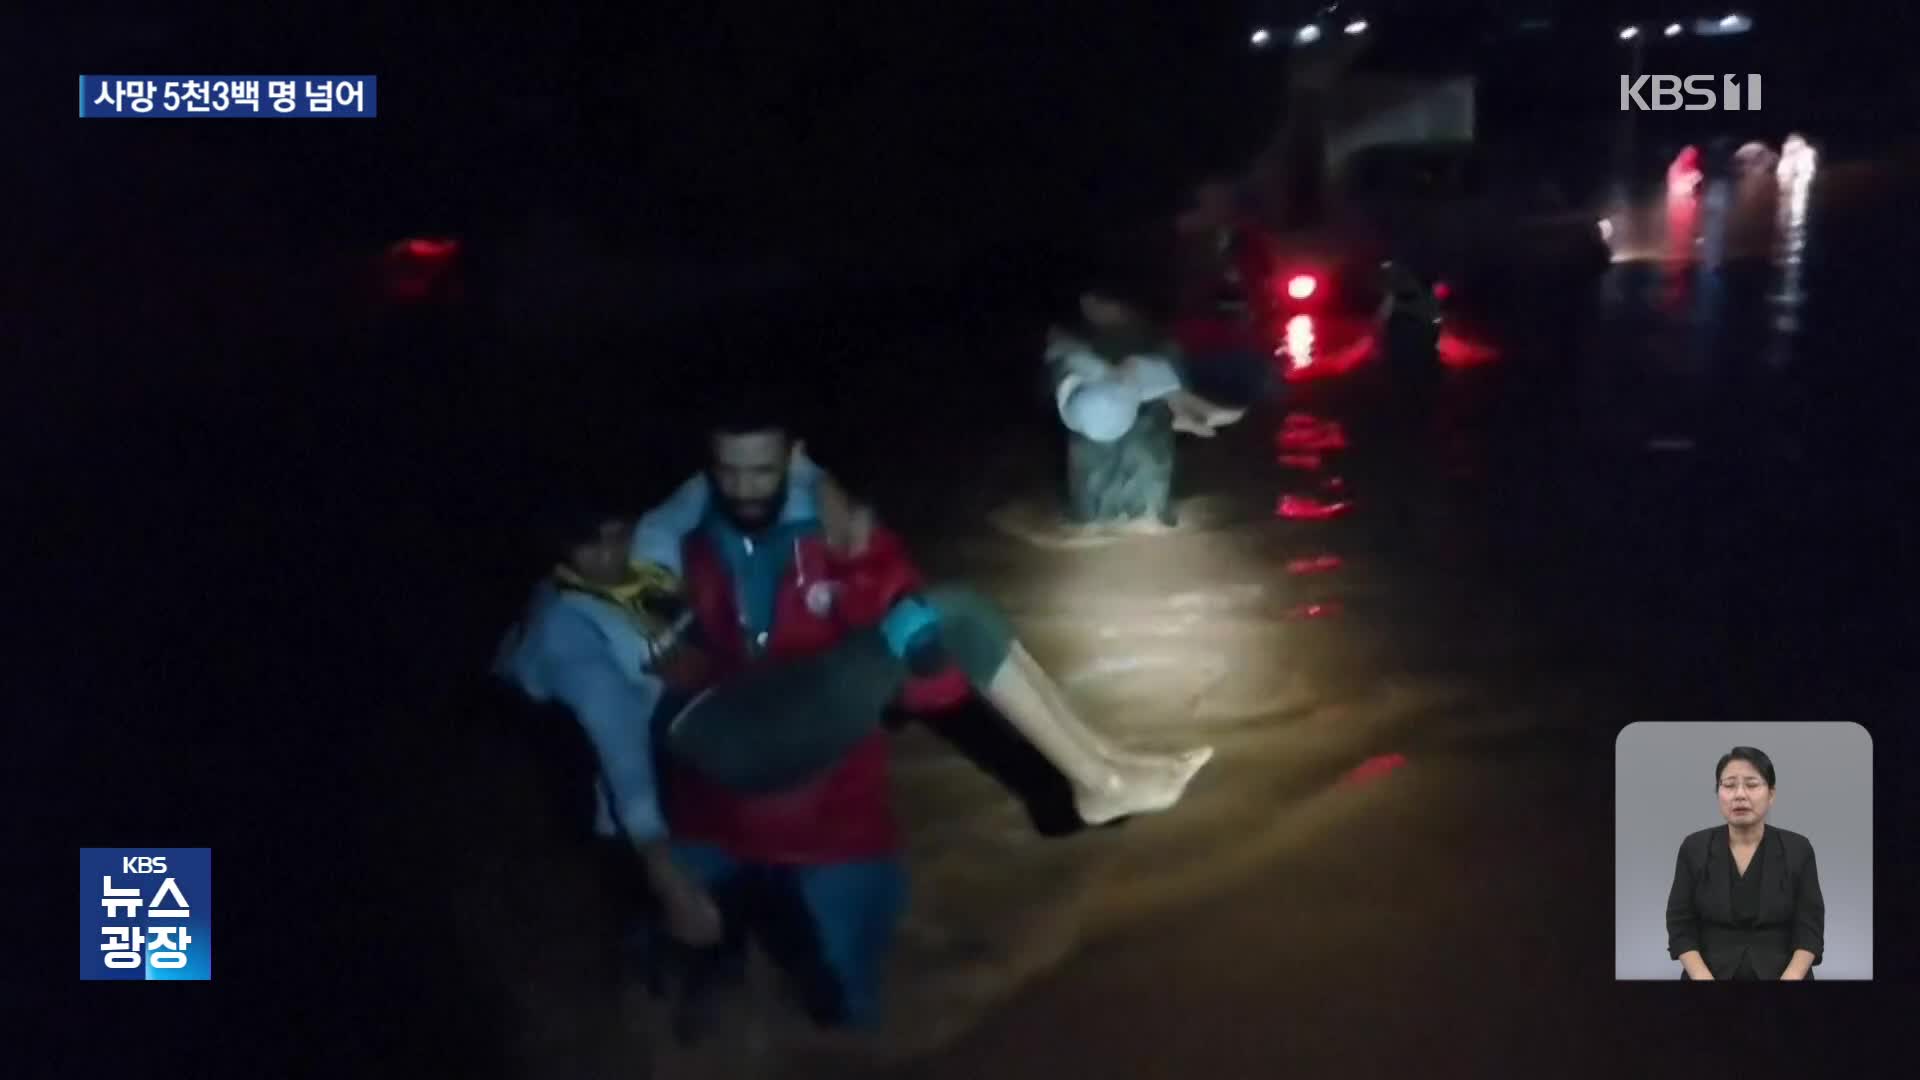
693	919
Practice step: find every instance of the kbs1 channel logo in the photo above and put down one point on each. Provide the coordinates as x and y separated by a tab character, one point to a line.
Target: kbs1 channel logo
146	913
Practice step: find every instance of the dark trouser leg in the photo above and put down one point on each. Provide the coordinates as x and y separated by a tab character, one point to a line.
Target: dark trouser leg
711	976
830	927
778	724
973	630
782	723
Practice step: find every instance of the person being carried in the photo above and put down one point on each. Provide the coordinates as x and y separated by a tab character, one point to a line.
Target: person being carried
591	641
599	638
779	767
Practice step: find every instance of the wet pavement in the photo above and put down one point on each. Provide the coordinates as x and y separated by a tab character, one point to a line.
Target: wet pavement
1412	669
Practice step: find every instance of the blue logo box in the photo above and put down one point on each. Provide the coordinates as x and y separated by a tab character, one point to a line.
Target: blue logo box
254	97
146	913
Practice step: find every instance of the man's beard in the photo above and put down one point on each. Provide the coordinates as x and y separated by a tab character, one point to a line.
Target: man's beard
755	516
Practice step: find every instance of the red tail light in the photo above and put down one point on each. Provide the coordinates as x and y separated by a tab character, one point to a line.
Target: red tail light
1302	286
427	248
1441	290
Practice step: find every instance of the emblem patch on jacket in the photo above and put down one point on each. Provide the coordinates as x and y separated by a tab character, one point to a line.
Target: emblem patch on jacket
820	596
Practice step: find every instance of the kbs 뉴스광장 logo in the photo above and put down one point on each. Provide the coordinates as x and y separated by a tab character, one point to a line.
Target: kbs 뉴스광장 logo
146	913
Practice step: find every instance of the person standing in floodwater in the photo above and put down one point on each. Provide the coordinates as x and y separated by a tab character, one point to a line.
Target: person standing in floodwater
1407	327
1224	315
1684	178
1120	387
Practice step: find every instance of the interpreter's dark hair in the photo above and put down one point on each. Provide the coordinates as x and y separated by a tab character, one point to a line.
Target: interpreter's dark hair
1752	756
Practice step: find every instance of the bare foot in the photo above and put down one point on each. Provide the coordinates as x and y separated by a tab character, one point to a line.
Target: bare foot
1142	792
1163	760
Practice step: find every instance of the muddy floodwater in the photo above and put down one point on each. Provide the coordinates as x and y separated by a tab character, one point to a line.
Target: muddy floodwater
1398	859
1671	492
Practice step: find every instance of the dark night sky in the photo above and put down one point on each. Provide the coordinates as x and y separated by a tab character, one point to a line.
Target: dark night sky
746	128
733	125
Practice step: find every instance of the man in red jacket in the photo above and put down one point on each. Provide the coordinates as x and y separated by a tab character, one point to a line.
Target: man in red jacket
778	773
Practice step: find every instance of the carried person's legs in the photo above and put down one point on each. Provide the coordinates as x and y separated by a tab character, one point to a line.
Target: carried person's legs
779	724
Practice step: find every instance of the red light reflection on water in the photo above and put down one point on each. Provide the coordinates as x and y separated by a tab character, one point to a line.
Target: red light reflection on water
1308	508
1328	436
1373	769
1459	352
1319	564
1323	610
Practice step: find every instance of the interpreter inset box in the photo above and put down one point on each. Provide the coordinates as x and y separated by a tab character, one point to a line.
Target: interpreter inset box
1743	851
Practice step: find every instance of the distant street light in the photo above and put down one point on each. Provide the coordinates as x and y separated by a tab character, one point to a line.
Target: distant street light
1261	37
1629	33
1307	35
1357	26
1726	24
1673	29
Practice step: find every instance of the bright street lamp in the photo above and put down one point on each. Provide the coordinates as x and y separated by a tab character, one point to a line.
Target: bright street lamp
1307	35
1629	33
1357	26
1261	37
1727	24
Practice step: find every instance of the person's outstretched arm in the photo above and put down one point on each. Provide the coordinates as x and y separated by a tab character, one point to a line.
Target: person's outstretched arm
616	711
1683	922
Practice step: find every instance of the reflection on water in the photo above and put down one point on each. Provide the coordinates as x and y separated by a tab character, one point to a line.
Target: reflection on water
1319	347
1673	369
1299	342
1790	253
1683	225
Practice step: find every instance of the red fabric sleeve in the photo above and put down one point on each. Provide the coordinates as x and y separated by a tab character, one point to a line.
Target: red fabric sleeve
872	582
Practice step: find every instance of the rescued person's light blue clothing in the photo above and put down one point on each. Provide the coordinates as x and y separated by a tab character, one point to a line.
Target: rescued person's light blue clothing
657	536
586	654
1095	398
576	650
